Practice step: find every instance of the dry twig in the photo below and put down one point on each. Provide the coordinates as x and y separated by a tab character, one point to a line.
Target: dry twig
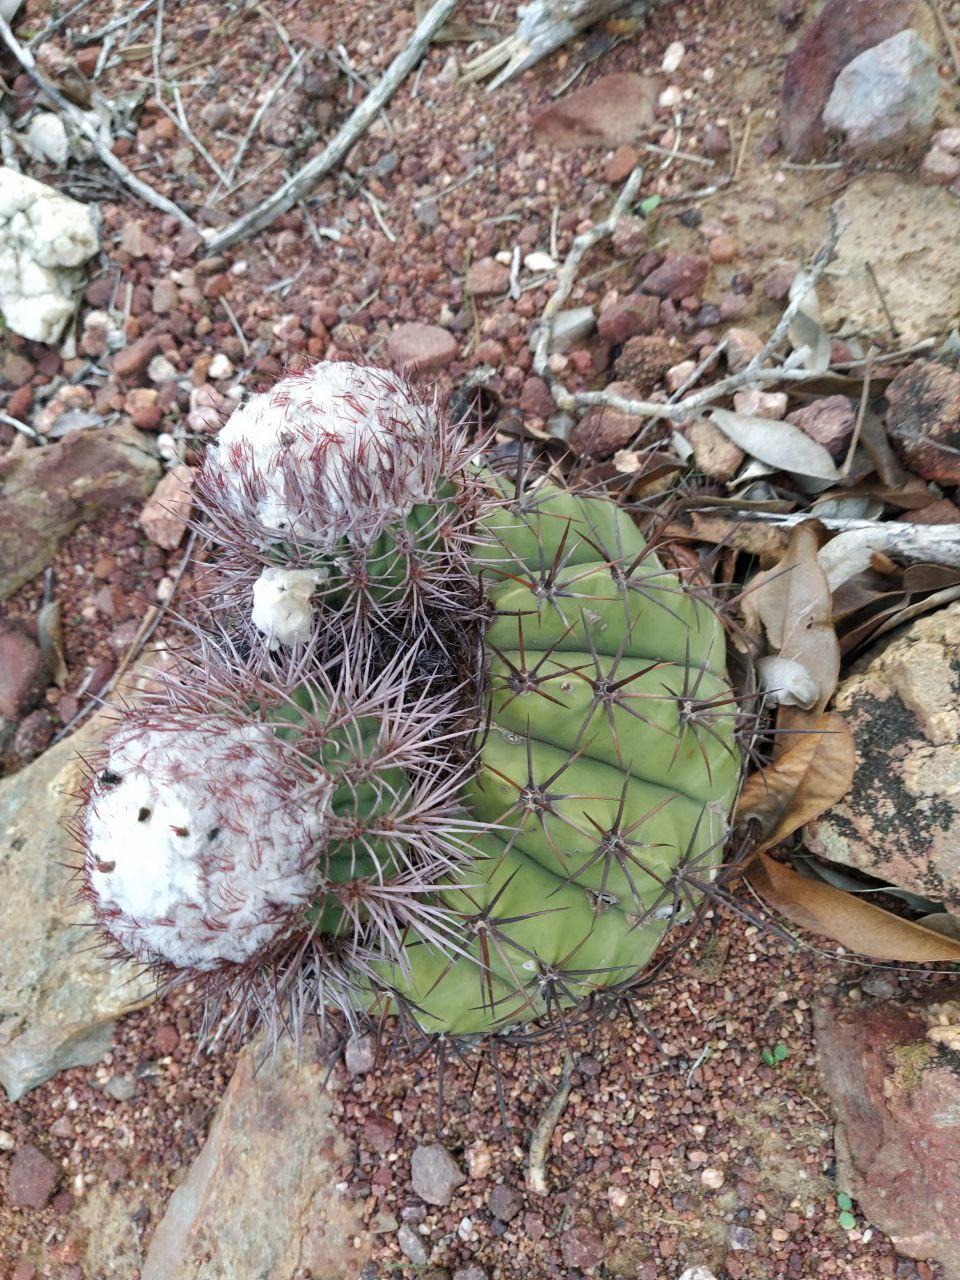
56	24
89	131
91	37
261	112
930	543
543	26
567	277
756	374
296	187
540	1141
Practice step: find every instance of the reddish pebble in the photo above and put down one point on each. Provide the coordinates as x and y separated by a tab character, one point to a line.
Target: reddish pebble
31	1180
166	1038
723	248
422	348
535	398
681	276
621	164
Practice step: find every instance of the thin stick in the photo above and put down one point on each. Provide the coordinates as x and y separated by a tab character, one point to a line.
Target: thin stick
20	426
91	37
568	274
934	543
231	316
756	374
260	113
540	1141
741	154
179	120
677	155
374	204
80	122
861	411
894	331
56	24
293	190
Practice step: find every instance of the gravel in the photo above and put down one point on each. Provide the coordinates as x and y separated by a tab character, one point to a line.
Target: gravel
471	183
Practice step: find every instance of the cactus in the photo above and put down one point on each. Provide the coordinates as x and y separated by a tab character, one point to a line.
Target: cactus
340	485
492	771
604	774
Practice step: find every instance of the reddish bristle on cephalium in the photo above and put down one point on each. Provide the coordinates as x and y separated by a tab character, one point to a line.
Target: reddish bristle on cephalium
345	466
274	829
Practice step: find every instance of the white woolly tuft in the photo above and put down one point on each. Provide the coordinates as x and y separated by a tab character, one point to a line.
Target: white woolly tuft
307	456
197	853
282	611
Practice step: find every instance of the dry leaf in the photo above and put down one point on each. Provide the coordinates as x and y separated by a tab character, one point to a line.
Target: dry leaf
943	923
628	461
794	604
811	775
873	437
780	445
918	609
807	334
850	553
857	925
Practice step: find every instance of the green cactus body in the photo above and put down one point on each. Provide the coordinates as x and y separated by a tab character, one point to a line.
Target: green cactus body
608	764
406	563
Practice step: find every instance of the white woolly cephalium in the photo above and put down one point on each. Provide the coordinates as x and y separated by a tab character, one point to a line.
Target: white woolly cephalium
210	836
320	476
282	611
326	452
197	845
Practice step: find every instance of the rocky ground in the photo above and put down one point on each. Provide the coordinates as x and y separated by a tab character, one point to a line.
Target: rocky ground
701	1137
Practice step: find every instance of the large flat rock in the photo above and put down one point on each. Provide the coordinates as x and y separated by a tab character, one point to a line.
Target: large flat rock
261	1198
890	1069
46	492
900	228
900	820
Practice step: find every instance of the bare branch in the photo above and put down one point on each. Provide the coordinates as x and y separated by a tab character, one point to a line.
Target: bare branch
565	282
932	543
83	125
295	188
543	27
756	374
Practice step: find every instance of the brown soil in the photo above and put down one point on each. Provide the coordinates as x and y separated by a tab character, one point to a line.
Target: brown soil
643	1122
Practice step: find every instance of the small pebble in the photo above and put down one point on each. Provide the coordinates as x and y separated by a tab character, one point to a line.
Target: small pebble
672	57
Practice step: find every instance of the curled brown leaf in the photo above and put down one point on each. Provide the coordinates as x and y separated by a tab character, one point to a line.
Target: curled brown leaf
846	918
812	774
793	604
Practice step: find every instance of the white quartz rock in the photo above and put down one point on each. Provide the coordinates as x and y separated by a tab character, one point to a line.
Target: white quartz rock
45	138
45	238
